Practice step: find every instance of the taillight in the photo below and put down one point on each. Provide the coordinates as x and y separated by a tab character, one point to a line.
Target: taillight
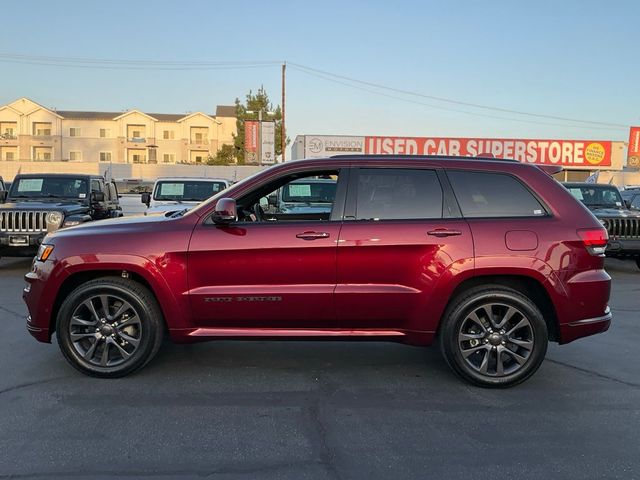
594	239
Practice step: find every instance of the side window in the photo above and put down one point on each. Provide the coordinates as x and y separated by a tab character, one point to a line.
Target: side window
393	193
484	194
95	186
293	198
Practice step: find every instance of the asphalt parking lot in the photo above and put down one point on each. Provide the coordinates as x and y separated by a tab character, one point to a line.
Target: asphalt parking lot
320	410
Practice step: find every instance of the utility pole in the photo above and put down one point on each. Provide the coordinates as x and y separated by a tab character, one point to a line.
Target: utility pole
283	132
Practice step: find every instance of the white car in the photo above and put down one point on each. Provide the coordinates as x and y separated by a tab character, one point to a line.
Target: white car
180	193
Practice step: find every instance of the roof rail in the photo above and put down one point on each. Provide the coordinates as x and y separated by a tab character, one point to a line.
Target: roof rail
423	157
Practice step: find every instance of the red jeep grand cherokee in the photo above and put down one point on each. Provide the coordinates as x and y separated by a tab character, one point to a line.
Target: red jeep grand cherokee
491	258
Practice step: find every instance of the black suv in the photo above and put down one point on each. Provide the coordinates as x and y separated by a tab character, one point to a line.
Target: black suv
622	222
41	203
3	190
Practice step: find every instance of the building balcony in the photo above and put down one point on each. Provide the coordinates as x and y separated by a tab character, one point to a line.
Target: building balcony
202	141
137	140
8	139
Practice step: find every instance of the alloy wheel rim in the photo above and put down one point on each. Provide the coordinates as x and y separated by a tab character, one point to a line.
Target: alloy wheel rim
105	330
496	339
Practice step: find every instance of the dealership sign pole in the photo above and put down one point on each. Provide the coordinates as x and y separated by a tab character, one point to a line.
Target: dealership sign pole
633	152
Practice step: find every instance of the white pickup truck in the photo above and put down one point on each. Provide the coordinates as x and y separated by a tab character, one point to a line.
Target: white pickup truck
180	193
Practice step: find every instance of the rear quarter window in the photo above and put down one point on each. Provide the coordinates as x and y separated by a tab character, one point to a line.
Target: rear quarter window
487	194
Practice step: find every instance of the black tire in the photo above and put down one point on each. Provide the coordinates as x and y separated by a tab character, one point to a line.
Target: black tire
638	262
136	332
473	350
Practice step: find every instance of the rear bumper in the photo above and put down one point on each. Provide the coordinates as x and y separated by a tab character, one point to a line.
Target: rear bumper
584	328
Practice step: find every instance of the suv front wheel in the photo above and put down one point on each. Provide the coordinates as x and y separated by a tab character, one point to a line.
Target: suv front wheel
109	327
493	336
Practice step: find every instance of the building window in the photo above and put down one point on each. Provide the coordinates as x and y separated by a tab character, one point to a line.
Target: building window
105	133
136	132
105	156
8	130
169	158
42	153
199	135
168	135
42	129
74	132
9	156
75	155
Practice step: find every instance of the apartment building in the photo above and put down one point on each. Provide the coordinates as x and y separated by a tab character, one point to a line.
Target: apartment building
29	131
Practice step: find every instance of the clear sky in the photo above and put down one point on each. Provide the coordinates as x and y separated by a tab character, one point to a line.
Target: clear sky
574	59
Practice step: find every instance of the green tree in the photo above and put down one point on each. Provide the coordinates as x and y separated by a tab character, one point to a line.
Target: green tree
224	156
255	103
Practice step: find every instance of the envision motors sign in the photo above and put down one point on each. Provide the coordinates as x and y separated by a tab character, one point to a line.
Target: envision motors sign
583	154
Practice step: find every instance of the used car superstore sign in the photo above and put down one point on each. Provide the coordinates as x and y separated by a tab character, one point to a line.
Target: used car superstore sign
578	154
587	153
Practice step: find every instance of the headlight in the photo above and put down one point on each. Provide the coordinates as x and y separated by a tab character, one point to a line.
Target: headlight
54	219
44	252
604	223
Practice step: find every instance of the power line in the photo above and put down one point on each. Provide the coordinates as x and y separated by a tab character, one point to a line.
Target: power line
450	109
114	64
457	102
149	64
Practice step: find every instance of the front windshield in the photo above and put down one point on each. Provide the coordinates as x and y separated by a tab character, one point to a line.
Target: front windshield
49	187
309	192
186	191
597	196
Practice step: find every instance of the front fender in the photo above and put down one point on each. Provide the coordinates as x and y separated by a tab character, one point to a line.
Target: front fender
173	303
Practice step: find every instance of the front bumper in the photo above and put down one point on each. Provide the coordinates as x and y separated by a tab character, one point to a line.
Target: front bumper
622	248
39	295
9	248
39	333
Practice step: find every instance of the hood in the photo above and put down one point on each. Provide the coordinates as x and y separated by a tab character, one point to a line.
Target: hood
615	213
113	225
66	206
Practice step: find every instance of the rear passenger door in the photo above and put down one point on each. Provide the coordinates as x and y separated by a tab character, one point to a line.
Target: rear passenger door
402	235
511	227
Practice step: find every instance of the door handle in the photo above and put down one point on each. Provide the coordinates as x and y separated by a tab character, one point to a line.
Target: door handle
443	232
312	235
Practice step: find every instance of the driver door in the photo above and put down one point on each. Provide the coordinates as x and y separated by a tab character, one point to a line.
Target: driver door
266	272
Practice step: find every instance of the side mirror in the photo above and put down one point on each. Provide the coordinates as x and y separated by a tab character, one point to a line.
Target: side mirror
627	203
97	197
273	199
225	211
146	198
3	195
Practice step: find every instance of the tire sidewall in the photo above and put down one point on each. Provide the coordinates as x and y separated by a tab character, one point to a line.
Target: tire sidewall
457	315
148	322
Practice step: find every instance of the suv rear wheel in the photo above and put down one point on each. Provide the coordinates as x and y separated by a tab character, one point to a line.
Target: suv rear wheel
493	336
109	327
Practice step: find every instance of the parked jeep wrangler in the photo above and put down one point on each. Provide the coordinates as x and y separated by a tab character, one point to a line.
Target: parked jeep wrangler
38	204
622	223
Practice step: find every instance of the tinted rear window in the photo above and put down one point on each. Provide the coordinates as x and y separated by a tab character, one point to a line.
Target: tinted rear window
386	194
482	194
